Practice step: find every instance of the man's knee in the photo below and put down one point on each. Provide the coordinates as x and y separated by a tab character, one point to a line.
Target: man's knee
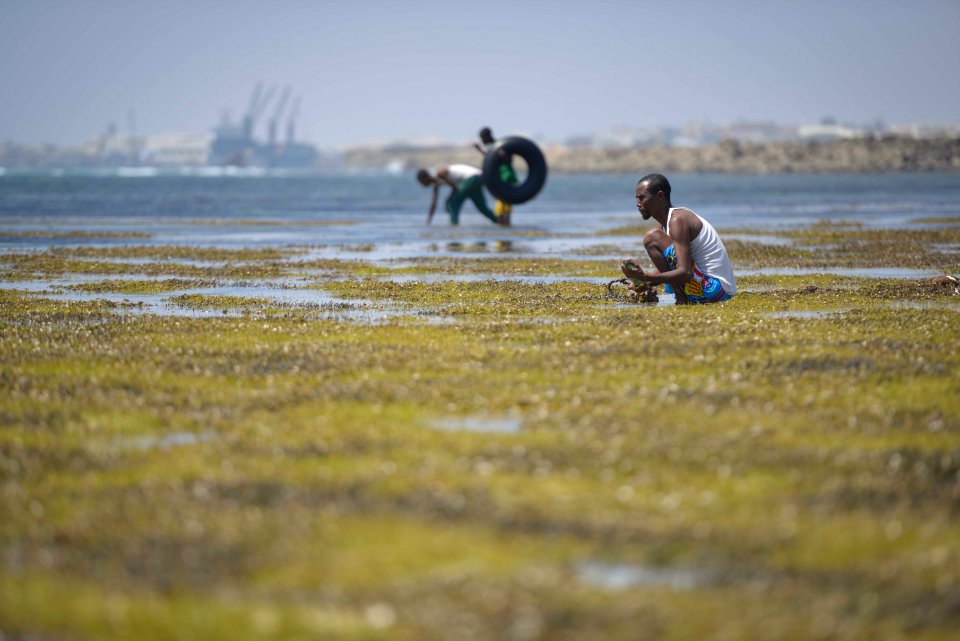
656	239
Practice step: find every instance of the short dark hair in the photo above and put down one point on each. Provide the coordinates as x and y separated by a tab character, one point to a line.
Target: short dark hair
656	183
424	177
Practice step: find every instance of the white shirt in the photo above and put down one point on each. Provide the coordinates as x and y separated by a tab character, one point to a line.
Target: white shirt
458	173
709	254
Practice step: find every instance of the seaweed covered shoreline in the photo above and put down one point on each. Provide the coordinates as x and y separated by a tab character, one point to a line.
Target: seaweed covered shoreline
514	455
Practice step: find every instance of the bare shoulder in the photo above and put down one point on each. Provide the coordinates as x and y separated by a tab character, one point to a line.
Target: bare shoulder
689	221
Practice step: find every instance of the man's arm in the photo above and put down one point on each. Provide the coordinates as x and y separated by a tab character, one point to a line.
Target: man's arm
684	271
680	231
433	202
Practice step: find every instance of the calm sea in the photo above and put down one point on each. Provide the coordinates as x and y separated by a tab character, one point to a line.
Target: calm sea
389	211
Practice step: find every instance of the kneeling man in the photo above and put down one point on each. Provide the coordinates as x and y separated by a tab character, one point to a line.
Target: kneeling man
686	250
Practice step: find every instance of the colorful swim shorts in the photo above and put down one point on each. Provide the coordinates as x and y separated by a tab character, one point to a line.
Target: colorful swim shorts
701	288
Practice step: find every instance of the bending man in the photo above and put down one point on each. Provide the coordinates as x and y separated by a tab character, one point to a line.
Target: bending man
465	182
686	250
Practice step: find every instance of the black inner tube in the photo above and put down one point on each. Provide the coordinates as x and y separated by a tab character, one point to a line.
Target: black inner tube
515	193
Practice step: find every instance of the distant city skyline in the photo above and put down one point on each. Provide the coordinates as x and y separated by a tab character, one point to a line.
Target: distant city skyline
370	72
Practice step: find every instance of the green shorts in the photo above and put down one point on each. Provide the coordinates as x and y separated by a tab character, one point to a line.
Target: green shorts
471	188
507	174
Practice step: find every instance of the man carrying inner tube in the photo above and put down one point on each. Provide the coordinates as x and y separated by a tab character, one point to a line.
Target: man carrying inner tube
507	174
465	182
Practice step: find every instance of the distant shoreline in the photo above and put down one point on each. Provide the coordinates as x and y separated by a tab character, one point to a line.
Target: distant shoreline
862	155
888	154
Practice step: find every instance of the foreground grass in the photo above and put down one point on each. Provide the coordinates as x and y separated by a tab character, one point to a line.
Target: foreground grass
287	476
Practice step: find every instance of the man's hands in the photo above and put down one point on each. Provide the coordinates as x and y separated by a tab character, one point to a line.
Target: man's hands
632	271
639	286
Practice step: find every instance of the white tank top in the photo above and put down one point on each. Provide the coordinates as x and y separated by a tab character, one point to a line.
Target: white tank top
459	173
709	254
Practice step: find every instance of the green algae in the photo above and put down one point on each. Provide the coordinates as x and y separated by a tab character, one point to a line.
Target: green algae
855	246
89	612
484	298
57	264
331	267
466	232
203	301
178	252
637	230
258	305
832	233
244	264
842	245
260	222
128	286
752	253
810	465
504	266
939	220
74	234
610	250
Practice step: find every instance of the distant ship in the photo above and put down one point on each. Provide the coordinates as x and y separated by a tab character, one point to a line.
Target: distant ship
234	145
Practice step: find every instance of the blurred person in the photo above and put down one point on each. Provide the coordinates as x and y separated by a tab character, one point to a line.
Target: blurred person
465	182
507	174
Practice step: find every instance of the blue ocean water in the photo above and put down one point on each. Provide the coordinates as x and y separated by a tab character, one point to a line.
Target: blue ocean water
389	211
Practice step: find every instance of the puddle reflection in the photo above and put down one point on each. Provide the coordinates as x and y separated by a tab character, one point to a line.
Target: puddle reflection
318	302
497	425
163	442
621	576
480	246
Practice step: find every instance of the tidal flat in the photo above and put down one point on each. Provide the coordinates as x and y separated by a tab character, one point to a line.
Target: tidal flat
548	462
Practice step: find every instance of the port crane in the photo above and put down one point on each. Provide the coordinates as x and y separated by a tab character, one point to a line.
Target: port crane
281	105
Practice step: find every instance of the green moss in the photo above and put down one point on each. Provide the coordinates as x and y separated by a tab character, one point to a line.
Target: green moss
123	286
283	475
177	252
548	267
263	222
852	247
943	220
55	264
24	266
629	230
74	234
484	298
838	244
203	301
86	612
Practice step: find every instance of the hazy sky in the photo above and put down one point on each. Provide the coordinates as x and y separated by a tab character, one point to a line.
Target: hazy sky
374	71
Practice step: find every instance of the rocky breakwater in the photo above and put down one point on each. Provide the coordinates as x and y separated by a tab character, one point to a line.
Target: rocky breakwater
888	154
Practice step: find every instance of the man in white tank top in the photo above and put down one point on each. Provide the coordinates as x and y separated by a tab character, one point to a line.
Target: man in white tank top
686	249
466	182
